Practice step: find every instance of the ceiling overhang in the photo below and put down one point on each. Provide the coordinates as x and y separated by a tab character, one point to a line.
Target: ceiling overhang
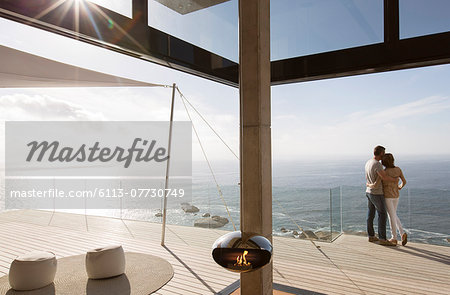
144	42
131	36
188	6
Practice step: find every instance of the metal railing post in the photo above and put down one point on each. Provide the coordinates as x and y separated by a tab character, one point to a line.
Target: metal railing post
163	231
409	208
331	214
340	205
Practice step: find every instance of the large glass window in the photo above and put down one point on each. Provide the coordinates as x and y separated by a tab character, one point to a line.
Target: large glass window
323	132
214	28
423	17
130	104
303	27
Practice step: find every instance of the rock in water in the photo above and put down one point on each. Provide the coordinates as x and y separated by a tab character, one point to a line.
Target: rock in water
159	214
207	222
310	235
188	208
220	219
206	215
295	233
323	235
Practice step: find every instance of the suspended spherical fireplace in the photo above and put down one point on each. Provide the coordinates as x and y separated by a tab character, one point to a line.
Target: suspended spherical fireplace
242	255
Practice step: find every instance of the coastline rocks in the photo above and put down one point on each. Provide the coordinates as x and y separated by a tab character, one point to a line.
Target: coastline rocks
188	208
211	222
206	215
307	234
219	219
321	235
310	235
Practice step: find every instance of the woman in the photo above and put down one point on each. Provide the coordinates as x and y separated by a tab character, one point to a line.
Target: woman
391	196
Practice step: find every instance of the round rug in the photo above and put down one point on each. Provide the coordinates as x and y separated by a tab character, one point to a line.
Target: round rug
144	274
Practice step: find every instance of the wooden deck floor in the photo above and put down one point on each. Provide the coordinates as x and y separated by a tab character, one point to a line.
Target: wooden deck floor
349	265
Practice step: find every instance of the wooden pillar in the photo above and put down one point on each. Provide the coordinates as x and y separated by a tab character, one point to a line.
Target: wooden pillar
255	134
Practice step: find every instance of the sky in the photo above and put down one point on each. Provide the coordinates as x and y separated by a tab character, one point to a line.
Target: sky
407	111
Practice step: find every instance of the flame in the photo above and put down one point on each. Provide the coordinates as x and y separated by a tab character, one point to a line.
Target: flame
242	260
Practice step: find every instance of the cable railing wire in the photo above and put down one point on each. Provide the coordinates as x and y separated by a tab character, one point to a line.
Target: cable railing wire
207	161
183	99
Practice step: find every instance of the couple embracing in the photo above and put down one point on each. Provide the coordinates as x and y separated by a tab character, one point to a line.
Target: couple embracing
383	194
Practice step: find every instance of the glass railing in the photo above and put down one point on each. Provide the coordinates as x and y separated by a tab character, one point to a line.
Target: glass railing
302	213
218	207
423	213
325	214
313	213
336	225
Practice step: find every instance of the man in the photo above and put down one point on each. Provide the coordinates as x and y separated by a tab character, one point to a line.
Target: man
375	197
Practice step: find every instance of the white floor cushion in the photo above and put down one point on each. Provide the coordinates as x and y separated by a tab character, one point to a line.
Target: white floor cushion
105	262
32	271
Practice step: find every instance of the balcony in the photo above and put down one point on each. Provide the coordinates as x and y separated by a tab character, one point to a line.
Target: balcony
349	265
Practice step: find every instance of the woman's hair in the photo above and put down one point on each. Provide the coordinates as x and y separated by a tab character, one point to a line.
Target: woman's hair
388	160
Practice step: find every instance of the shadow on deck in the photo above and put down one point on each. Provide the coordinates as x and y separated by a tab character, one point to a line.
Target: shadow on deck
349	265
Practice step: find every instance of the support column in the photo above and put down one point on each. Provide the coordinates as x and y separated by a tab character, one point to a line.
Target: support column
140	11
255	133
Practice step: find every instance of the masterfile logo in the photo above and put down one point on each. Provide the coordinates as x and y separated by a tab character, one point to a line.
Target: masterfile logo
96	165
97	148
54	152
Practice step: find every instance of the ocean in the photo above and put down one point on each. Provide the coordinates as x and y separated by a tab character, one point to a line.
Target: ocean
305	190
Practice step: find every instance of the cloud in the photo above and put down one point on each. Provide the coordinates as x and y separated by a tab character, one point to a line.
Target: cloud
287	117
24	107
359	131
44	107
425	106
